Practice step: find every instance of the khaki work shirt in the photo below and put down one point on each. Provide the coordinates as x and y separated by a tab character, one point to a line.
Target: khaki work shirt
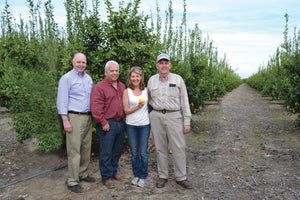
170	95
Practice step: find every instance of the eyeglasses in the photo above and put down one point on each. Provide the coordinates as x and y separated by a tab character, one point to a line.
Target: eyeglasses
135	67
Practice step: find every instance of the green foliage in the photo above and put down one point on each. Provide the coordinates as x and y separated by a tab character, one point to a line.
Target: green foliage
297	121
32	97
129	40
197	98
281	77
35	54
49	142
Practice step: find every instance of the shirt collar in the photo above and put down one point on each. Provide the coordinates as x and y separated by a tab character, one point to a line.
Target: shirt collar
77	73
109	82
167	78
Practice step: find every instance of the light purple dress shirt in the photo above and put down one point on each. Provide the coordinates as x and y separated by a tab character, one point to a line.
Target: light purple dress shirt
74	91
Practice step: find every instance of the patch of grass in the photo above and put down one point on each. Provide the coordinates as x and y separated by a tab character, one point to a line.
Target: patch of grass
297	150
257	140
290	139
257	134
202	122
245	160
279	121
209	121
246	164
245	174
197	140
258	151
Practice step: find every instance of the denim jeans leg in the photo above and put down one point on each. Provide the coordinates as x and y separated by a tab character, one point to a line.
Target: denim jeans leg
132	133
138	139
144	133
105	141
118	145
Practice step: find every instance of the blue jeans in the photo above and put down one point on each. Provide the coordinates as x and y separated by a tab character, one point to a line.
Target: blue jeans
138	140
110	148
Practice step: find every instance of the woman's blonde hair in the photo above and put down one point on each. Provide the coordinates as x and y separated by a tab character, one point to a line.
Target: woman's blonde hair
139	71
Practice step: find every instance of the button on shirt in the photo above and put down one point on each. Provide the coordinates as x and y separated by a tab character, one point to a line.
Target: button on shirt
170	95
106	101
74	92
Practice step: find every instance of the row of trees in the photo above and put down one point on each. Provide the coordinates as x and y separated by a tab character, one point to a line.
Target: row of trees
35	53
280	78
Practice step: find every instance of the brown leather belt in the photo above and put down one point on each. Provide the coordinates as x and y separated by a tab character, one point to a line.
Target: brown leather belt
116	119
79	113
164	111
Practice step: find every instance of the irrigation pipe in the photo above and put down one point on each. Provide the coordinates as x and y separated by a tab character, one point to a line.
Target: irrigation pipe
30	177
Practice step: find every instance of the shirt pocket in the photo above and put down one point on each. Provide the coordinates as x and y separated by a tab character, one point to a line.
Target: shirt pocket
174	92
154	93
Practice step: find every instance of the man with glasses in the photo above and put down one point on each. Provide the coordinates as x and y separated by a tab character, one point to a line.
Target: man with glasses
170	120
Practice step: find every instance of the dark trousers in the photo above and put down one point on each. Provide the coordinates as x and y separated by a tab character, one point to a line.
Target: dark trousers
110	148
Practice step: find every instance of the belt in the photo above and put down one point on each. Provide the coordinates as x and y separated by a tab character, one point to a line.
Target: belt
79	113
116	119
164	111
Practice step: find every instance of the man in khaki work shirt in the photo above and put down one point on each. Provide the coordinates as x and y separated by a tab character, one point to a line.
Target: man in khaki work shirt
168	98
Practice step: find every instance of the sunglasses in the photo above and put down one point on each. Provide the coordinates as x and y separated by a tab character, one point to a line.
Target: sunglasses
136	67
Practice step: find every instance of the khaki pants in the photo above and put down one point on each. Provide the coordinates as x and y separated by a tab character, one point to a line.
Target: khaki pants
78	147
167	129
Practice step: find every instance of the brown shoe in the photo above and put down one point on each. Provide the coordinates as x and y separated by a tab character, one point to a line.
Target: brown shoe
109	184
118	177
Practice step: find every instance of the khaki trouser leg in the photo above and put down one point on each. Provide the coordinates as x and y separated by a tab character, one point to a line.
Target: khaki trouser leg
168	129
176	138
86	149
77	162
161	143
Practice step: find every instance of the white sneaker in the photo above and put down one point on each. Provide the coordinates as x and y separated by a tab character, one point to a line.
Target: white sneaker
135	181
141	182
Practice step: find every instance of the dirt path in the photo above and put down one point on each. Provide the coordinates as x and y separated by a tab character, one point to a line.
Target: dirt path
251	150
244	148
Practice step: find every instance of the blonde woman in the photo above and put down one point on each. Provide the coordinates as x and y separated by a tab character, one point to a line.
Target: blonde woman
135	100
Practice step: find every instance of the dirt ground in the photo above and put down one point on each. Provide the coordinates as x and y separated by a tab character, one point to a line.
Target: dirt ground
243	147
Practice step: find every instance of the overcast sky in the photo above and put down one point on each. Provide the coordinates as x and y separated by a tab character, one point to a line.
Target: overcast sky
248	31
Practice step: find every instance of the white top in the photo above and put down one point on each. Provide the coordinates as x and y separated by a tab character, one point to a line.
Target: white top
141	116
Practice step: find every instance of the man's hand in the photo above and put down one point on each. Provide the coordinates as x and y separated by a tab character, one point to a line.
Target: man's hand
106	127
186	129
66	123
